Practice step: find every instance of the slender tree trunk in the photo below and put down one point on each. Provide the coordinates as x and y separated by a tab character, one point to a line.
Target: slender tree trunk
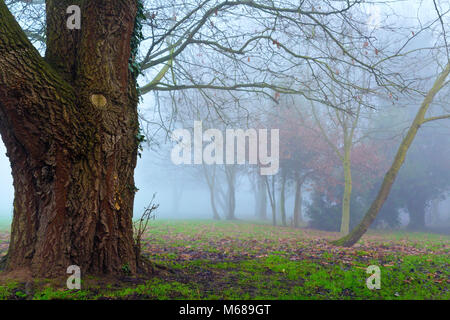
211	182
274	203
345	222
298	203
231	194
390	176
283	200
434	212
271	193
261	198
231	203
216	215
69	124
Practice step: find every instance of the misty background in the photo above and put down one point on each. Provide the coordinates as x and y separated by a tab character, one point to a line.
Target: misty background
182	191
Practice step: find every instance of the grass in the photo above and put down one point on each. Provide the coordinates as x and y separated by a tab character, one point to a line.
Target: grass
242	260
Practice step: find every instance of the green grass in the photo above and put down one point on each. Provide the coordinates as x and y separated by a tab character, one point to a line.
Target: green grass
7	290
243	260
157	289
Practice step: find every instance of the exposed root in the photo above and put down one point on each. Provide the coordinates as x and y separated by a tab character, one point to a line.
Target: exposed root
145	266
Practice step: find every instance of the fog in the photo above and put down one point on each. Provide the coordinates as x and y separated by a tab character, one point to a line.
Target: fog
182	198
182	191
6	187
150	179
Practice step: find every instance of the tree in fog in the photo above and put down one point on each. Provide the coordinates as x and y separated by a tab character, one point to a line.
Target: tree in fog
302	150
424	115
69	119
424	176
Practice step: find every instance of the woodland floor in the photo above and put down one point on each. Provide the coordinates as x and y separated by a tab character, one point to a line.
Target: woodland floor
243	260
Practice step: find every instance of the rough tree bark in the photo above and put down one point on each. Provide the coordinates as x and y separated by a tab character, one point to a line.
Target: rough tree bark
69	123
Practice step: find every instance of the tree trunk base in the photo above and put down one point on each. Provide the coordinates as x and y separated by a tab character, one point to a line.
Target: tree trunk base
145	266
146	270
345	241
3	263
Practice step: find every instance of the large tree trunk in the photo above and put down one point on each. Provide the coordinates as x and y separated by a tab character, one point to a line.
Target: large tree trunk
69	123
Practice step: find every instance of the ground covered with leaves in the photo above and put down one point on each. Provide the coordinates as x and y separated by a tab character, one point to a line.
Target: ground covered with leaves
243	260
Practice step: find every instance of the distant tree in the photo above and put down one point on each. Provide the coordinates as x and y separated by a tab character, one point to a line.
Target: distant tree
270	188
302	150
424	177
393	171
368	164
211	180
260	194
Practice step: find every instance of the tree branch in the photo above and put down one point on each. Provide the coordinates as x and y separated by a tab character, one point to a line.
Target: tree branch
436	118
34	100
